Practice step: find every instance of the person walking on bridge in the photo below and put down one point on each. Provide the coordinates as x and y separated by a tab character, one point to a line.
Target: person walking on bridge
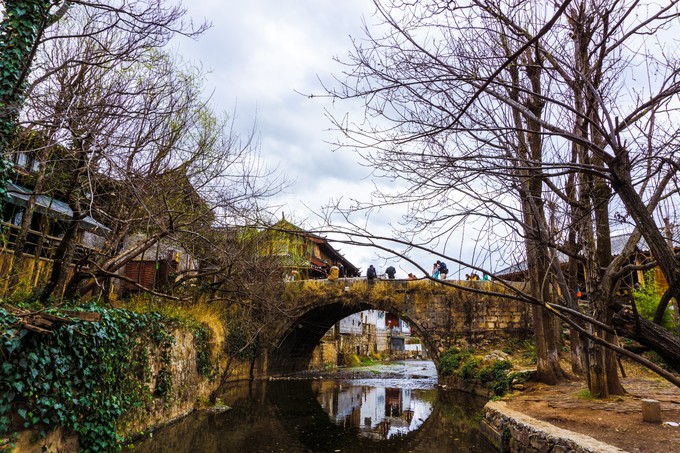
391	272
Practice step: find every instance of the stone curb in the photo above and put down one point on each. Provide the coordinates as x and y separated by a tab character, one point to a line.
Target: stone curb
512	431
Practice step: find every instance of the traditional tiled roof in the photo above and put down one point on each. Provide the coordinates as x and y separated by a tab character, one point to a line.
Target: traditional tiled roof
324	244
52	207
618	241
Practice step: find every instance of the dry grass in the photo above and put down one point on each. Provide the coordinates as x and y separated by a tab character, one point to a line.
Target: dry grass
204	313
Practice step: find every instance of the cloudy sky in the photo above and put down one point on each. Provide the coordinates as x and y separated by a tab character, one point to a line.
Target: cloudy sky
262	57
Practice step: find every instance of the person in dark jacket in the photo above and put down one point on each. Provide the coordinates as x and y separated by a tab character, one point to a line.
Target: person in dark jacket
391	272
371	274
443	270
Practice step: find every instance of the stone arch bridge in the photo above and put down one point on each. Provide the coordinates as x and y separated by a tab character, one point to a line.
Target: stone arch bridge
440	315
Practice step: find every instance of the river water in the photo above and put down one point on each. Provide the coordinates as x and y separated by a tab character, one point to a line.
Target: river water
395	408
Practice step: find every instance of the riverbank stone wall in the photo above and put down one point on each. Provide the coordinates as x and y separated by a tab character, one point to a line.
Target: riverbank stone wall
189	389
514	432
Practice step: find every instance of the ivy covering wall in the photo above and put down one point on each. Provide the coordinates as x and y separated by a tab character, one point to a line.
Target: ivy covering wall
86	377
21	25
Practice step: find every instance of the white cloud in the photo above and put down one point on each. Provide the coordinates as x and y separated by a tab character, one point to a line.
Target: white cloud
261	55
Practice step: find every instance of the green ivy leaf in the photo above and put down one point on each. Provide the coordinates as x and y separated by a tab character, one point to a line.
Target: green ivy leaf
4	424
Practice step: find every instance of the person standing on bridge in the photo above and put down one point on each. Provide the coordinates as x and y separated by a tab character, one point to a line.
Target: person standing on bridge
391	272
435	270
443	270
371	274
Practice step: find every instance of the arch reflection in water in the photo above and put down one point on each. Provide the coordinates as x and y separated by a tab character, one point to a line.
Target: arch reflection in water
376	412
289	416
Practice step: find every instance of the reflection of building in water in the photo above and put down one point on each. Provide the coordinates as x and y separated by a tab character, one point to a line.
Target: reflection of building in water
378	412
393	402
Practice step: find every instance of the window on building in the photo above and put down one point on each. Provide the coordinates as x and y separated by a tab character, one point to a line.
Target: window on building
21	159
280	247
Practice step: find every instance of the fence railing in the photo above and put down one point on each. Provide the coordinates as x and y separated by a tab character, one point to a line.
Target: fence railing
41	245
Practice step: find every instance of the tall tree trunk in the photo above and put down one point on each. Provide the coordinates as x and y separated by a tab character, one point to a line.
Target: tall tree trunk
598	370
578	362
62	259
66	250
22	24
548	361
664	255
529	152
601	197
548	369
591	210
660	340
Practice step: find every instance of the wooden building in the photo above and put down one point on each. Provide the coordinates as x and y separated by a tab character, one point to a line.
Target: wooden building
303	254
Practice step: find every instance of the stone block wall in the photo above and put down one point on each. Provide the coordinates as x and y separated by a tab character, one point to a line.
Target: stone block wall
382	341
326	354
460	318
349	345
512	431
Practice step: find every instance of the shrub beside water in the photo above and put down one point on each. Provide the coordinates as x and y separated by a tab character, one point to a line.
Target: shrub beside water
461	364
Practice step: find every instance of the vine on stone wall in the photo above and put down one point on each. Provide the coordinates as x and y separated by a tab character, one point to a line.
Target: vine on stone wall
85	377
204	364
21	25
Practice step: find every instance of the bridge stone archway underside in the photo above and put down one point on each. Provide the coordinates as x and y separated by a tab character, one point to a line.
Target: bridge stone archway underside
441	316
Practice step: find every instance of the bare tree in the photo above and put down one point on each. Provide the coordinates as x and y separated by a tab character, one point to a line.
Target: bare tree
508	113
132	143
23	32
66	41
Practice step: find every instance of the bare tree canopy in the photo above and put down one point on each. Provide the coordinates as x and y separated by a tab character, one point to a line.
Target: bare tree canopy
121	131
23	31
541	126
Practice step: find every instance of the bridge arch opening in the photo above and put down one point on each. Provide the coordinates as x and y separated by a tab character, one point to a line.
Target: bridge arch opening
293	350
